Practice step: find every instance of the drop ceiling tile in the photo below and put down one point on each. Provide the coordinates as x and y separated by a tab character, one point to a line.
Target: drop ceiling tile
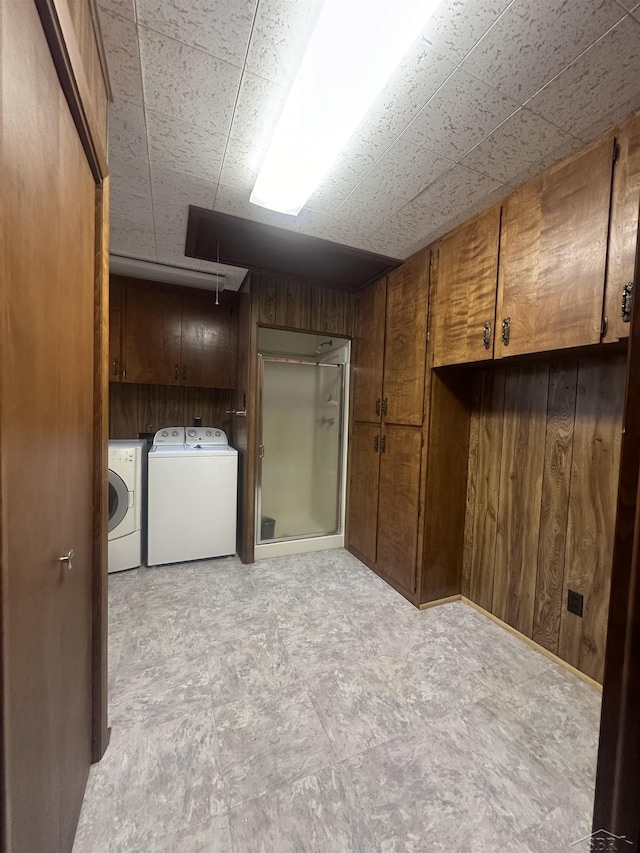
130	212
222	30
187	84
124	8
241	164
184	147
520	148
417	78
127	131
173	192
170	250
532	42
279	38
599	89
120	38
395	179
458	24
129	176
259	106
132	243
459	115
456	189
344	176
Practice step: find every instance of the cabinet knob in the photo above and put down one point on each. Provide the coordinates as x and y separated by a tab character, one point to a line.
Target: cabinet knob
627	302
384	407
67	558
114	367
383	444
184	372
176	371
378	406
376	442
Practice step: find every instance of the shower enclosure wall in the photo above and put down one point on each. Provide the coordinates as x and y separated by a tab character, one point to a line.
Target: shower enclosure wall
300	483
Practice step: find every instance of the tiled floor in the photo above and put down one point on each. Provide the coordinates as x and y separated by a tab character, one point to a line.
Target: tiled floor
302	705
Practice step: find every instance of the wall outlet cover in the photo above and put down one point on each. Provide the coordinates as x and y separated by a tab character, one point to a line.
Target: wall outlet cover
575	602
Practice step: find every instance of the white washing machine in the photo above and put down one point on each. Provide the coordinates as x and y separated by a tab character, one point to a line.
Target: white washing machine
192	494
127	480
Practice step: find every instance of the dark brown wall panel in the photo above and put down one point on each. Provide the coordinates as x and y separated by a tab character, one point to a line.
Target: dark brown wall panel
300	303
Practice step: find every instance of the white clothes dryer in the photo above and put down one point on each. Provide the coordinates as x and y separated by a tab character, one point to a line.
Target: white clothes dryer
127	481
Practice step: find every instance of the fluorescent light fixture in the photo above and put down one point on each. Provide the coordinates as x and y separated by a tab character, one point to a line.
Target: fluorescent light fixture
355	48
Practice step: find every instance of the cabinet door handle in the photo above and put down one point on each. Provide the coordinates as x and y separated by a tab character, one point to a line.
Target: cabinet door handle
384	407
486	335
176	371
506	331
383	444
378	406
627	302
114	367
68	559
184	372
376	443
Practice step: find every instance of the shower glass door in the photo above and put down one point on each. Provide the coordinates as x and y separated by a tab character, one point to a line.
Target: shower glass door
301	449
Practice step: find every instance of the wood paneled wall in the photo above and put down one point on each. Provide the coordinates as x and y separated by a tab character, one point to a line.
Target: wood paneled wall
302	303
542	481
148	408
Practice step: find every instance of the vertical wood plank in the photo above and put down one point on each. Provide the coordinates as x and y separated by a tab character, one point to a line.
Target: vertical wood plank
555	504
592	507
123	410
522	461
485	518
267	298
472	474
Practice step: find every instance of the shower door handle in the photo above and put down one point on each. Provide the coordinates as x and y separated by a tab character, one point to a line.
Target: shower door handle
261	451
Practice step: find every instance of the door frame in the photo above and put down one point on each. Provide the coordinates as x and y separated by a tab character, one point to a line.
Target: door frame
58	27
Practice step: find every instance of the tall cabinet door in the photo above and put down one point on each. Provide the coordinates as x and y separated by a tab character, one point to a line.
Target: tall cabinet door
368	352
115	329
209	357
46	431
152	336
553	256
406	342
465	293
363	489
398	508
623	234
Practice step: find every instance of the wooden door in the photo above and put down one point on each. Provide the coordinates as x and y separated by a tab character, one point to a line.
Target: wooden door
464	306
553	256
152	334
363	490
398	507
623	233
46	422
209	340
115	329
367	354
406	342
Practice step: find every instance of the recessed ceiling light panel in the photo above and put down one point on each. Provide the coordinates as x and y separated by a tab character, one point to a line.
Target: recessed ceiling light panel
355	48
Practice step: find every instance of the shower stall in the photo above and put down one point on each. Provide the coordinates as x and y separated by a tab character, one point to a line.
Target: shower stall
300	482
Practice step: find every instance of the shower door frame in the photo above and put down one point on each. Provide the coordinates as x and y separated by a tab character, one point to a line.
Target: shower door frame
286	359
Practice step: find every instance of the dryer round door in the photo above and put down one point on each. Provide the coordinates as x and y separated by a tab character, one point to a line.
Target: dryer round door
118	500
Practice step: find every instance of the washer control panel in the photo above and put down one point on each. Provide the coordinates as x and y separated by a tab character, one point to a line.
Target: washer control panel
169	435
205	435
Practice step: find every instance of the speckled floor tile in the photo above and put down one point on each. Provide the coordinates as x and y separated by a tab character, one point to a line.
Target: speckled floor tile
301	704
268	741
317	814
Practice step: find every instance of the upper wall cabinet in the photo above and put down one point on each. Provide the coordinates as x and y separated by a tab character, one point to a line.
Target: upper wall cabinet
405	342
623	233
465	291
209	341
115	330
152	333
553	256
367	355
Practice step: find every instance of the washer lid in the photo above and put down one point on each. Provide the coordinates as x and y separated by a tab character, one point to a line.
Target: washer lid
205	450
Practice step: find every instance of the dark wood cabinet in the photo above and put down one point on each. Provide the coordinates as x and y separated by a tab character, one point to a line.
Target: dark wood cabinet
152	336
115	331
405	339
209	341
464	303
368	352
623	231
172	335
553	256
363	489
399	504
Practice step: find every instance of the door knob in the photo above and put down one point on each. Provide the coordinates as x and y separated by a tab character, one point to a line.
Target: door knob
68	559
